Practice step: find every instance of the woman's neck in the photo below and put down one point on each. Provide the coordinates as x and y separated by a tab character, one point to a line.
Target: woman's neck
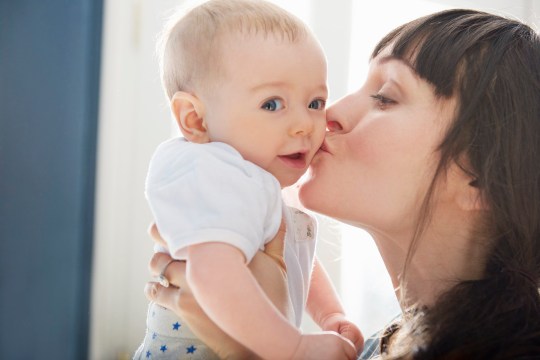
448	252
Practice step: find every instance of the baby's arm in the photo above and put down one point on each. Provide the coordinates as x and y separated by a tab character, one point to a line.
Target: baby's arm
324	307
230	296
227	291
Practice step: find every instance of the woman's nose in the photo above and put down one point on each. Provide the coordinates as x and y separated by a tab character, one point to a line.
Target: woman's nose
341	115
334	118
333	125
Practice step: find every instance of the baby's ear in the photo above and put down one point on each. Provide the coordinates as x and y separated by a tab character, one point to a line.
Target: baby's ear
188	111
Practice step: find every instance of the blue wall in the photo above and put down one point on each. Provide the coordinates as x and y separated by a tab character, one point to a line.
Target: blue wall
49	80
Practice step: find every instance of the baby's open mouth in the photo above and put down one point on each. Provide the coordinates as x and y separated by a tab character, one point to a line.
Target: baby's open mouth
295	160
295	156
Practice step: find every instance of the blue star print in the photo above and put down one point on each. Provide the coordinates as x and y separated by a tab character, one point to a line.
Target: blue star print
191	349
176	326
163	348
148	354
154	336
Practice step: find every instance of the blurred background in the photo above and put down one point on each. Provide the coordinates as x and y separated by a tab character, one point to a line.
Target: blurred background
81	111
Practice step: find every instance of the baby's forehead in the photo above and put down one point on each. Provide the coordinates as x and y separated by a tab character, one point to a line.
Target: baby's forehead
258	61
249	44
262	34
255	42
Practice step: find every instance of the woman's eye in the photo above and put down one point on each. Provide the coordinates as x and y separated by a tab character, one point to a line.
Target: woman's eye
382	101
272	105
318	104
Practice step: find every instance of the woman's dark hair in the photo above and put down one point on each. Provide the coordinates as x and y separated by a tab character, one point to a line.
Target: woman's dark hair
491	66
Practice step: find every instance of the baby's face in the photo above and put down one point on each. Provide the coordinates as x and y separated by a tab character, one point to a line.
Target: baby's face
270	105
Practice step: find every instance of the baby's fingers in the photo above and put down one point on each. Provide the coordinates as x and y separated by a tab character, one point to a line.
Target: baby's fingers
353	334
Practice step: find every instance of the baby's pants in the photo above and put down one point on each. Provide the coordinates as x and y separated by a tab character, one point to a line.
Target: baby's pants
168	337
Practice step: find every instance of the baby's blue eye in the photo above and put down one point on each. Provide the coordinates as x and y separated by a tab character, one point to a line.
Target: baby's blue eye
317	104
272	105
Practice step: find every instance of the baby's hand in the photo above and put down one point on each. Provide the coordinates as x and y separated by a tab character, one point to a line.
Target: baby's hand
324	346
340	324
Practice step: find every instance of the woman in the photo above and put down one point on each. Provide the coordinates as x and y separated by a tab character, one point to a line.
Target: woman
437	156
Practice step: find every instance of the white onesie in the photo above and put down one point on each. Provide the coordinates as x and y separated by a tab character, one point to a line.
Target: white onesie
208	192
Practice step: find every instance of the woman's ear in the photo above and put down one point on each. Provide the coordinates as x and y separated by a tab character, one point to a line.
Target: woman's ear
462	187
188	111
469	196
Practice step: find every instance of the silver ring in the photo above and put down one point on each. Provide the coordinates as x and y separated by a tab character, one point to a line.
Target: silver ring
162	278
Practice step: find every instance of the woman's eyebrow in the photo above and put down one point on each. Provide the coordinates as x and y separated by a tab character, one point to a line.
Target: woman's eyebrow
387	58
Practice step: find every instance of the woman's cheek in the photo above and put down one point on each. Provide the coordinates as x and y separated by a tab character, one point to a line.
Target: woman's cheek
320	190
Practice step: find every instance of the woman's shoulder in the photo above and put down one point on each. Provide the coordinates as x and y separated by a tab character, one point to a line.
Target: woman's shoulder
377	341
371	348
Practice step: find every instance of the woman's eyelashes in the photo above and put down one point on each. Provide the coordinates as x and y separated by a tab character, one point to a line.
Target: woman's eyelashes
382	101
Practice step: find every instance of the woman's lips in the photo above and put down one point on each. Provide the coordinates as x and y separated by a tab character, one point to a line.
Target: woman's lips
296	160
324	148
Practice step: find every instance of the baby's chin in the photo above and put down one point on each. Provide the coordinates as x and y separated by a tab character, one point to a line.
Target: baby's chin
286	184
286	181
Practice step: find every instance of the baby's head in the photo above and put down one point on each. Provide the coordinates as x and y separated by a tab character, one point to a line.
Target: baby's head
192	43
249	74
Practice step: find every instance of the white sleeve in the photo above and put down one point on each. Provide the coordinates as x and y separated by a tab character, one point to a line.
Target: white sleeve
208	192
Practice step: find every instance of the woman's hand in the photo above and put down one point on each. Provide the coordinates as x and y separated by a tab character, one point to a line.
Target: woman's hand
178	298
268	268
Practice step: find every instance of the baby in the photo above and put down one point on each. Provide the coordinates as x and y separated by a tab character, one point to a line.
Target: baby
247	86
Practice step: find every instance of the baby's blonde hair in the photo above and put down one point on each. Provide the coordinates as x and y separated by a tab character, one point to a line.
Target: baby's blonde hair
189	47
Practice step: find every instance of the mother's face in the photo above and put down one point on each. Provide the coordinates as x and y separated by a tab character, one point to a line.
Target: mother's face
379	154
